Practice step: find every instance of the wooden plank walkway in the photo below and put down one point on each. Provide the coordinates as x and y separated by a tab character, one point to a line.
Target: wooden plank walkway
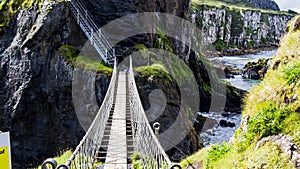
116	157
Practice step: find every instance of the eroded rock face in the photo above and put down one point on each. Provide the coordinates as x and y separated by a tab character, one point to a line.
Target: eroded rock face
36	84
248	29
285	144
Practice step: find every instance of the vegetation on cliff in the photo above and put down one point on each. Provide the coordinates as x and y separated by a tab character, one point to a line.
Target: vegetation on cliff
70	54
236	4
9	8
272	109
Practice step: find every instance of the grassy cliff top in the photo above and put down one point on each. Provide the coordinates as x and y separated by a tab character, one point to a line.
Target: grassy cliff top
271	108
239	5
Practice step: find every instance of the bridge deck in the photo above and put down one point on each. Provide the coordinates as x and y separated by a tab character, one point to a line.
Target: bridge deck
116	157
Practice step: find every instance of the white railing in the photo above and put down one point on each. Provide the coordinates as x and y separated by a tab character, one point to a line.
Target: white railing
94	33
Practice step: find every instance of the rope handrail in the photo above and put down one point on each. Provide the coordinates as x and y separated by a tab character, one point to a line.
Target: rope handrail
146	143
93	32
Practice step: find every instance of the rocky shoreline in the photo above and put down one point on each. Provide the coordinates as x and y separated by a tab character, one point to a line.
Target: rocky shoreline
236	51
251	70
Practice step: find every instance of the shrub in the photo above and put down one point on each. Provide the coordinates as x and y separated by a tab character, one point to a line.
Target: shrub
216	152
268	122
292	73
220	45
68	52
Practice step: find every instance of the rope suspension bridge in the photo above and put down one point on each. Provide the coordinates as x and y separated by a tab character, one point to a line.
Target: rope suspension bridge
120	127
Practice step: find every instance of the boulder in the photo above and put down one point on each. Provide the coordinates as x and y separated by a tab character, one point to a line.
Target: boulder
255	70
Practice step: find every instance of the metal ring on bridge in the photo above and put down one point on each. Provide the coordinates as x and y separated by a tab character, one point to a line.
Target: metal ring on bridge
62	166
156	126
174	166
51	162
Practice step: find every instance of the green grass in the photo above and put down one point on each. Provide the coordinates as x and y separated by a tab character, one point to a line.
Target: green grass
155	70
238	6
70	54
136	161
215	153
292	72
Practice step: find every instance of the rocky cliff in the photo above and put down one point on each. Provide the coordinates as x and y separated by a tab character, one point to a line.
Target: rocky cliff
262	4
230	27
36	83
269	134
265	4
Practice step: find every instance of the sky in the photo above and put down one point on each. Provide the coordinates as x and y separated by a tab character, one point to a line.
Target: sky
289	4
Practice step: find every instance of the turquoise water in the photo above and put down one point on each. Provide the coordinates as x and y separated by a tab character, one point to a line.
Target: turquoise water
213	132
239	62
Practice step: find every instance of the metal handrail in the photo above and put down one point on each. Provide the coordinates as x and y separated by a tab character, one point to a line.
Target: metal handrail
93	31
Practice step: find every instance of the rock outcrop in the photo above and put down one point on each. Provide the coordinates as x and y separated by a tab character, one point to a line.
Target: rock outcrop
36	84
265	4
255	70
285	144
114	9
230	28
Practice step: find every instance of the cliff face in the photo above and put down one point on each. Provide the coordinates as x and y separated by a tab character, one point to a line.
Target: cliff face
225	27
269	134
114	9
265	4
36	84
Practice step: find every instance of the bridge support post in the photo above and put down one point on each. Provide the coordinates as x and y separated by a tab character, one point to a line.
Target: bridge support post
156	127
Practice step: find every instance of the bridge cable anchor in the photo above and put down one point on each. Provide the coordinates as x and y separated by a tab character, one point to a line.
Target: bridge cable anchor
156	127
51	162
